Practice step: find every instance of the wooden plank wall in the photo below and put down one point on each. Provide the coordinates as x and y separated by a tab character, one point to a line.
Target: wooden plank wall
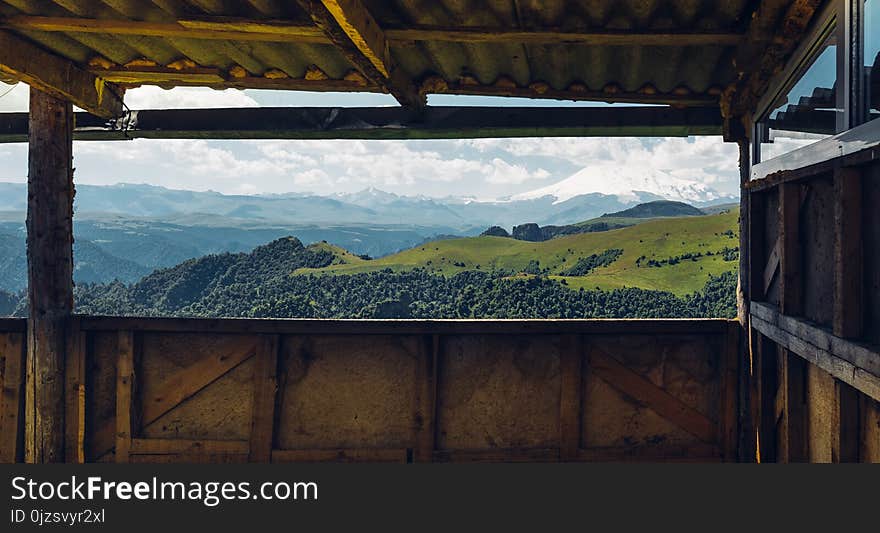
402	391
13	352
815	312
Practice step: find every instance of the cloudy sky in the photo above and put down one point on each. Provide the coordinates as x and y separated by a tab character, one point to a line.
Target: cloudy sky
484	168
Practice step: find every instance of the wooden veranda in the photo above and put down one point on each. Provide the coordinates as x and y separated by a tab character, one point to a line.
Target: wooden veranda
795	378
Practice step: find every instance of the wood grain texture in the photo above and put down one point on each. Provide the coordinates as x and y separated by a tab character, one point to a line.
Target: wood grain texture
263	414
12	380
650	395
50	271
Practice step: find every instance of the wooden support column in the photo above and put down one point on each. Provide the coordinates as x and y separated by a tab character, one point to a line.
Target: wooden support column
75	402
262	436
50	272
12	350
425	416
125	393
571	361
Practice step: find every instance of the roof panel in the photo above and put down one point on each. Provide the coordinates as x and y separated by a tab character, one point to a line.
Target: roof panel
574	70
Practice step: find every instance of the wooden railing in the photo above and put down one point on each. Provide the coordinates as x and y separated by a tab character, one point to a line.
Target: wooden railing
194	390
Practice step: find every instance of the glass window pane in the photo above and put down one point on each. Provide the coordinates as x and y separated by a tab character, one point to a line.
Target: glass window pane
872	55
808	111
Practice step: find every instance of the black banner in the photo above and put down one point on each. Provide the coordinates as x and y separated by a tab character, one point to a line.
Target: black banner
490	497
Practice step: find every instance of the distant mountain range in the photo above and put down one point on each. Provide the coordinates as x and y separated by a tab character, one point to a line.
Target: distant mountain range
451	215
125	231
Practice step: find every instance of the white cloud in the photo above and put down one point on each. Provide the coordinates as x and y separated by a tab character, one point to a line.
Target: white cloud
152	97
14	98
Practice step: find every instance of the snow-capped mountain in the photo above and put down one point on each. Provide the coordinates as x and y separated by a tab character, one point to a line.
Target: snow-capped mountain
628	184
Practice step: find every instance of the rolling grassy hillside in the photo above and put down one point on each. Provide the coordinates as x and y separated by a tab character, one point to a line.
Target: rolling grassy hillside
655	239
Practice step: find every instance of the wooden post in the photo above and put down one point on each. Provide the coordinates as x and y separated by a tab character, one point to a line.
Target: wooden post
571	362
743	284
848	253
125	390
11	398
50	272
425	416
262	436
790	293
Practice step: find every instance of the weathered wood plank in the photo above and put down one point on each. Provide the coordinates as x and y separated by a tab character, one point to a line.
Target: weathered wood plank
790	250
824	416
188	447
283	31
75	402
772	267
265	396
796	404
650	395
728	380
125	390
756	237
833	354
212	29
697	453
351	29
13	353
50	271
709	326
58	77
425	416
182	385
506	455
571	353
869	450
848	257
341	455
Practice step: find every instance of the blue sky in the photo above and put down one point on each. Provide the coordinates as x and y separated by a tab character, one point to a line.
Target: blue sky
482	168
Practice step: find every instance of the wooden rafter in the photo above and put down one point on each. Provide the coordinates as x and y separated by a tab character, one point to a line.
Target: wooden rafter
240	29
772	36
58	77
355	33
388	123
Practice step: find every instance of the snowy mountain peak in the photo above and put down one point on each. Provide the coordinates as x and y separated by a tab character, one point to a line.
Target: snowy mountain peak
627	183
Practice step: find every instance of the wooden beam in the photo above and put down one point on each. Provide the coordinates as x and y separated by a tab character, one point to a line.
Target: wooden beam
650	395
775	31
851	362
848	256
356	35
50	272
125	378
212	29
386	123
790	251
363	30
13	354
757	256
262	436
771	268
283	31
75	402
425	415
216	326
571	362
58	77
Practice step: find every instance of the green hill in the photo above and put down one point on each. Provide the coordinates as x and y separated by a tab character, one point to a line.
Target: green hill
685	251
659	208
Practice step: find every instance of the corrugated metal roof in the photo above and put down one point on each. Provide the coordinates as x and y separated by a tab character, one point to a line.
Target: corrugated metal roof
577	71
